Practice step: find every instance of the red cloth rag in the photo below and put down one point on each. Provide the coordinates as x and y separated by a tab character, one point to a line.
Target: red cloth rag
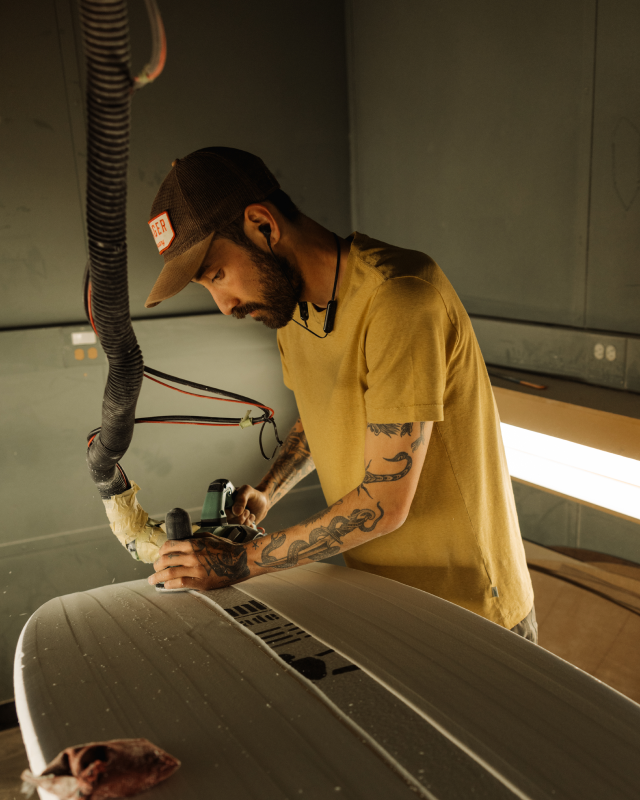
101	770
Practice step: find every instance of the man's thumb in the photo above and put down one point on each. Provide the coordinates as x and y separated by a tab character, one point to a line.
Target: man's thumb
240	500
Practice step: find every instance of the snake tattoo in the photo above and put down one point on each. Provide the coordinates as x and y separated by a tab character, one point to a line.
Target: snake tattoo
371	477
324	541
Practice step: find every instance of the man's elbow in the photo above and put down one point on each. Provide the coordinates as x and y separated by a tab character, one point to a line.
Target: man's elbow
395	517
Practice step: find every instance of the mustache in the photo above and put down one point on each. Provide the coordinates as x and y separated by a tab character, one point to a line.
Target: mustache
240	312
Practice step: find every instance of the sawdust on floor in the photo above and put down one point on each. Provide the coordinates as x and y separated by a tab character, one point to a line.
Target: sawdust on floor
13	759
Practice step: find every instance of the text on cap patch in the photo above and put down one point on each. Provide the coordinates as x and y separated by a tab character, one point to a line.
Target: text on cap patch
162	231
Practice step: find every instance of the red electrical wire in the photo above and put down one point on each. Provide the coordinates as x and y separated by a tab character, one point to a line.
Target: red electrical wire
268	416
159	48
170	422
206	397
183	391
93	325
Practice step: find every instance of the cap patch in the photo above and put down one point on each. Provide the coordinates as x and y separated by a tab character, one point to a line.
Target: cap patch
162	231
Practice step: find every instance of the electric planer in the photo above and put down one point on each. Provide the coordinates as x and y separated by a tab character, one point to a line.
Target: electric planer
220	496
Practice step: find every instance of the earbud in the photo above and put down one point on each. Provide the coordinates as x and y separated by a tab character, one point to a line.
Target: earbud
265	230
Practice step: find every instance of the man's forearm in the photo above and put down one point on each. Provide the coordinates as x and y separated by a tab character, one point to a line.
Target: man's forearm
292	464
379	505
353	520
358	517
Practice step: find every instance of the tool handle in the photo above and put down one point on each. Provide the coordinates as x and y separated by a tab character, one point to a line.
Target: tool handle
178	524
219	496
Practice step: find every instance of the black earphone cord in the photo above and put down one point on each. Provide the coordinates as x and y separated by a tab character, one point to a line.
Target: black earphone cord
332	305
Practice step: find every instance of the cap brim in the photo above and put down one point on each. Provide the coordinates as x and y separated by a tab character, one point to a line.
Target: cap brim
178	272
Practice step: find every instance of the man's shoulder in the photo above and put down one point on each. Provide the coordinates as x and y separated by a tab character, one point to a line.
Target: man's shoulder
409	279
390	261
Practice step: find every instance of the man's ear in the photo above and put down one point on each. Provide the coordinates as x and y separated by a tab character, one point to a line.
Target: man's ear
259	222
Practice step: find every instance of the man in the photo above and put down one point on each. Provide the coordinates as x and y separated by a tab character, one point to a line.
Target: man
396	410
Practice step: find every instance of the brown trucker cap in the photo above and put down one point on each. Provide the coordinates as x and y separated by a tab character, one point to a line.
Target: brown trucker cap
204	192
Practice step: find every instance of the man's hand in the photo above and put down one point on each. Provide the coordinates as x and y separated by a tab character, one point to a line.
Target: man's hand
249	506
292	464
206	562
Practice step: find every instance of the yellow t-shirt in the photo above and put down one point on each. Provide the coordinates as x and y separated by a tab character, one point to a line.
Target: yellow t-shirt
403	350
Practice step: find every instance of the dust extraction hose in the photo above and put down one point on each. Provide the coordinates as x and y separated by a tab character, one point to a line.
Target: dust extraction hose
105	31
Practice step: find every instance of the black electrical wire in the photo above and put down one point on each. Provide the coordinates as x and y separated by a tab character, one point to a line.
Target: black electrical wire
266	418
202	387
177	419
331	308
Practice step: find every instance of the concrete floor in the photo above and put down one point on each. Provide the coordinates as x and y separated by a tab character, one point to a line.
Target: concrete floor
13	759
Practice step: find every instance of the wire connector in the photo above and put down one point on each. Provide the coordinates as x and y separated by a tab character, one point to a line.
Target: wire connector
246	421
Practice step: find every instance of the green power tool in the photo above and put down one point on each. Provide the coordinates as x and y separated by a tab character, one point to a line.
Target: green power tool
219	497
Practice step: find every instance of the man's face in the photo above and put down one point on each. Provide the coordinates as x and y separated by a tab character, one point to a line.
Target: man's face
244	280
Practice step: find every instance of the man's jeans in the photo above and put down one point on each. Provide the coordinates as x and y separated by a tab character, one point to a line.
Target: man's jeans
528	628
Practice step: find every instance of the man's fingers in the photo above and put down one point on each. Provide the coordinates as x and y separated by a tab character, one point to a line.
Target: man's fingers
250	505
175	546
174	573
184	582
188	582
240	500
176	559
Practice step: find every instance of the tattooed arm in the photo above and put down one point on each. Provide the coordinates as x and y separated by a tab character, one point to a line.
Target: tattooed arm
394	456
294	461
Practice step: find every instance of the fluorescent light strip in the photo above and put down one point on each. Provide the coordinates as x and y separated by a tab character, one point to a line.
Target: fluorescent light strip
603	479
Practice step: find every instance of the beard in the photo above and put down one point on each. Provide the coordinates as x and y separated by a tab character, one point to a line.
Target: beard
280	288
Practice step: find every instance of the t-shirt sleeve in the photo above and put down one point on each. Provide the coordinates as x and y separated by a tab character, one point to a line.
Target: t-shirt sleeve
408	339
285	370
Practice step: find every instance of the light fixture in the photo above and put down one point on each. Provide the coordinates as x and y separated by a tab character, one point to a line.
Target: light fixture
594	476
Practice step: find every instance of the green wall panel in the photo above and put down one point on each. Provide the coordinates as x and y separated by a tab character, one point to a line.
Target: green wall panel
42	244
614	239
569	352
471	128
237	74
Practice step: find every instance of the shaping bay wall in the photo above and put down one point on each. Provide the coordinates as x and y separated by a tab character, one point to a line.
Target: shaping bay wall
54	539
503	140
596	357
550	520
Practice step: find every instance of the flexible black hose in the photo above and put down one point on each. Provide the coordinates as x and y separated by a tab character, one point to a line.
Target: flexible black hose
105	32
